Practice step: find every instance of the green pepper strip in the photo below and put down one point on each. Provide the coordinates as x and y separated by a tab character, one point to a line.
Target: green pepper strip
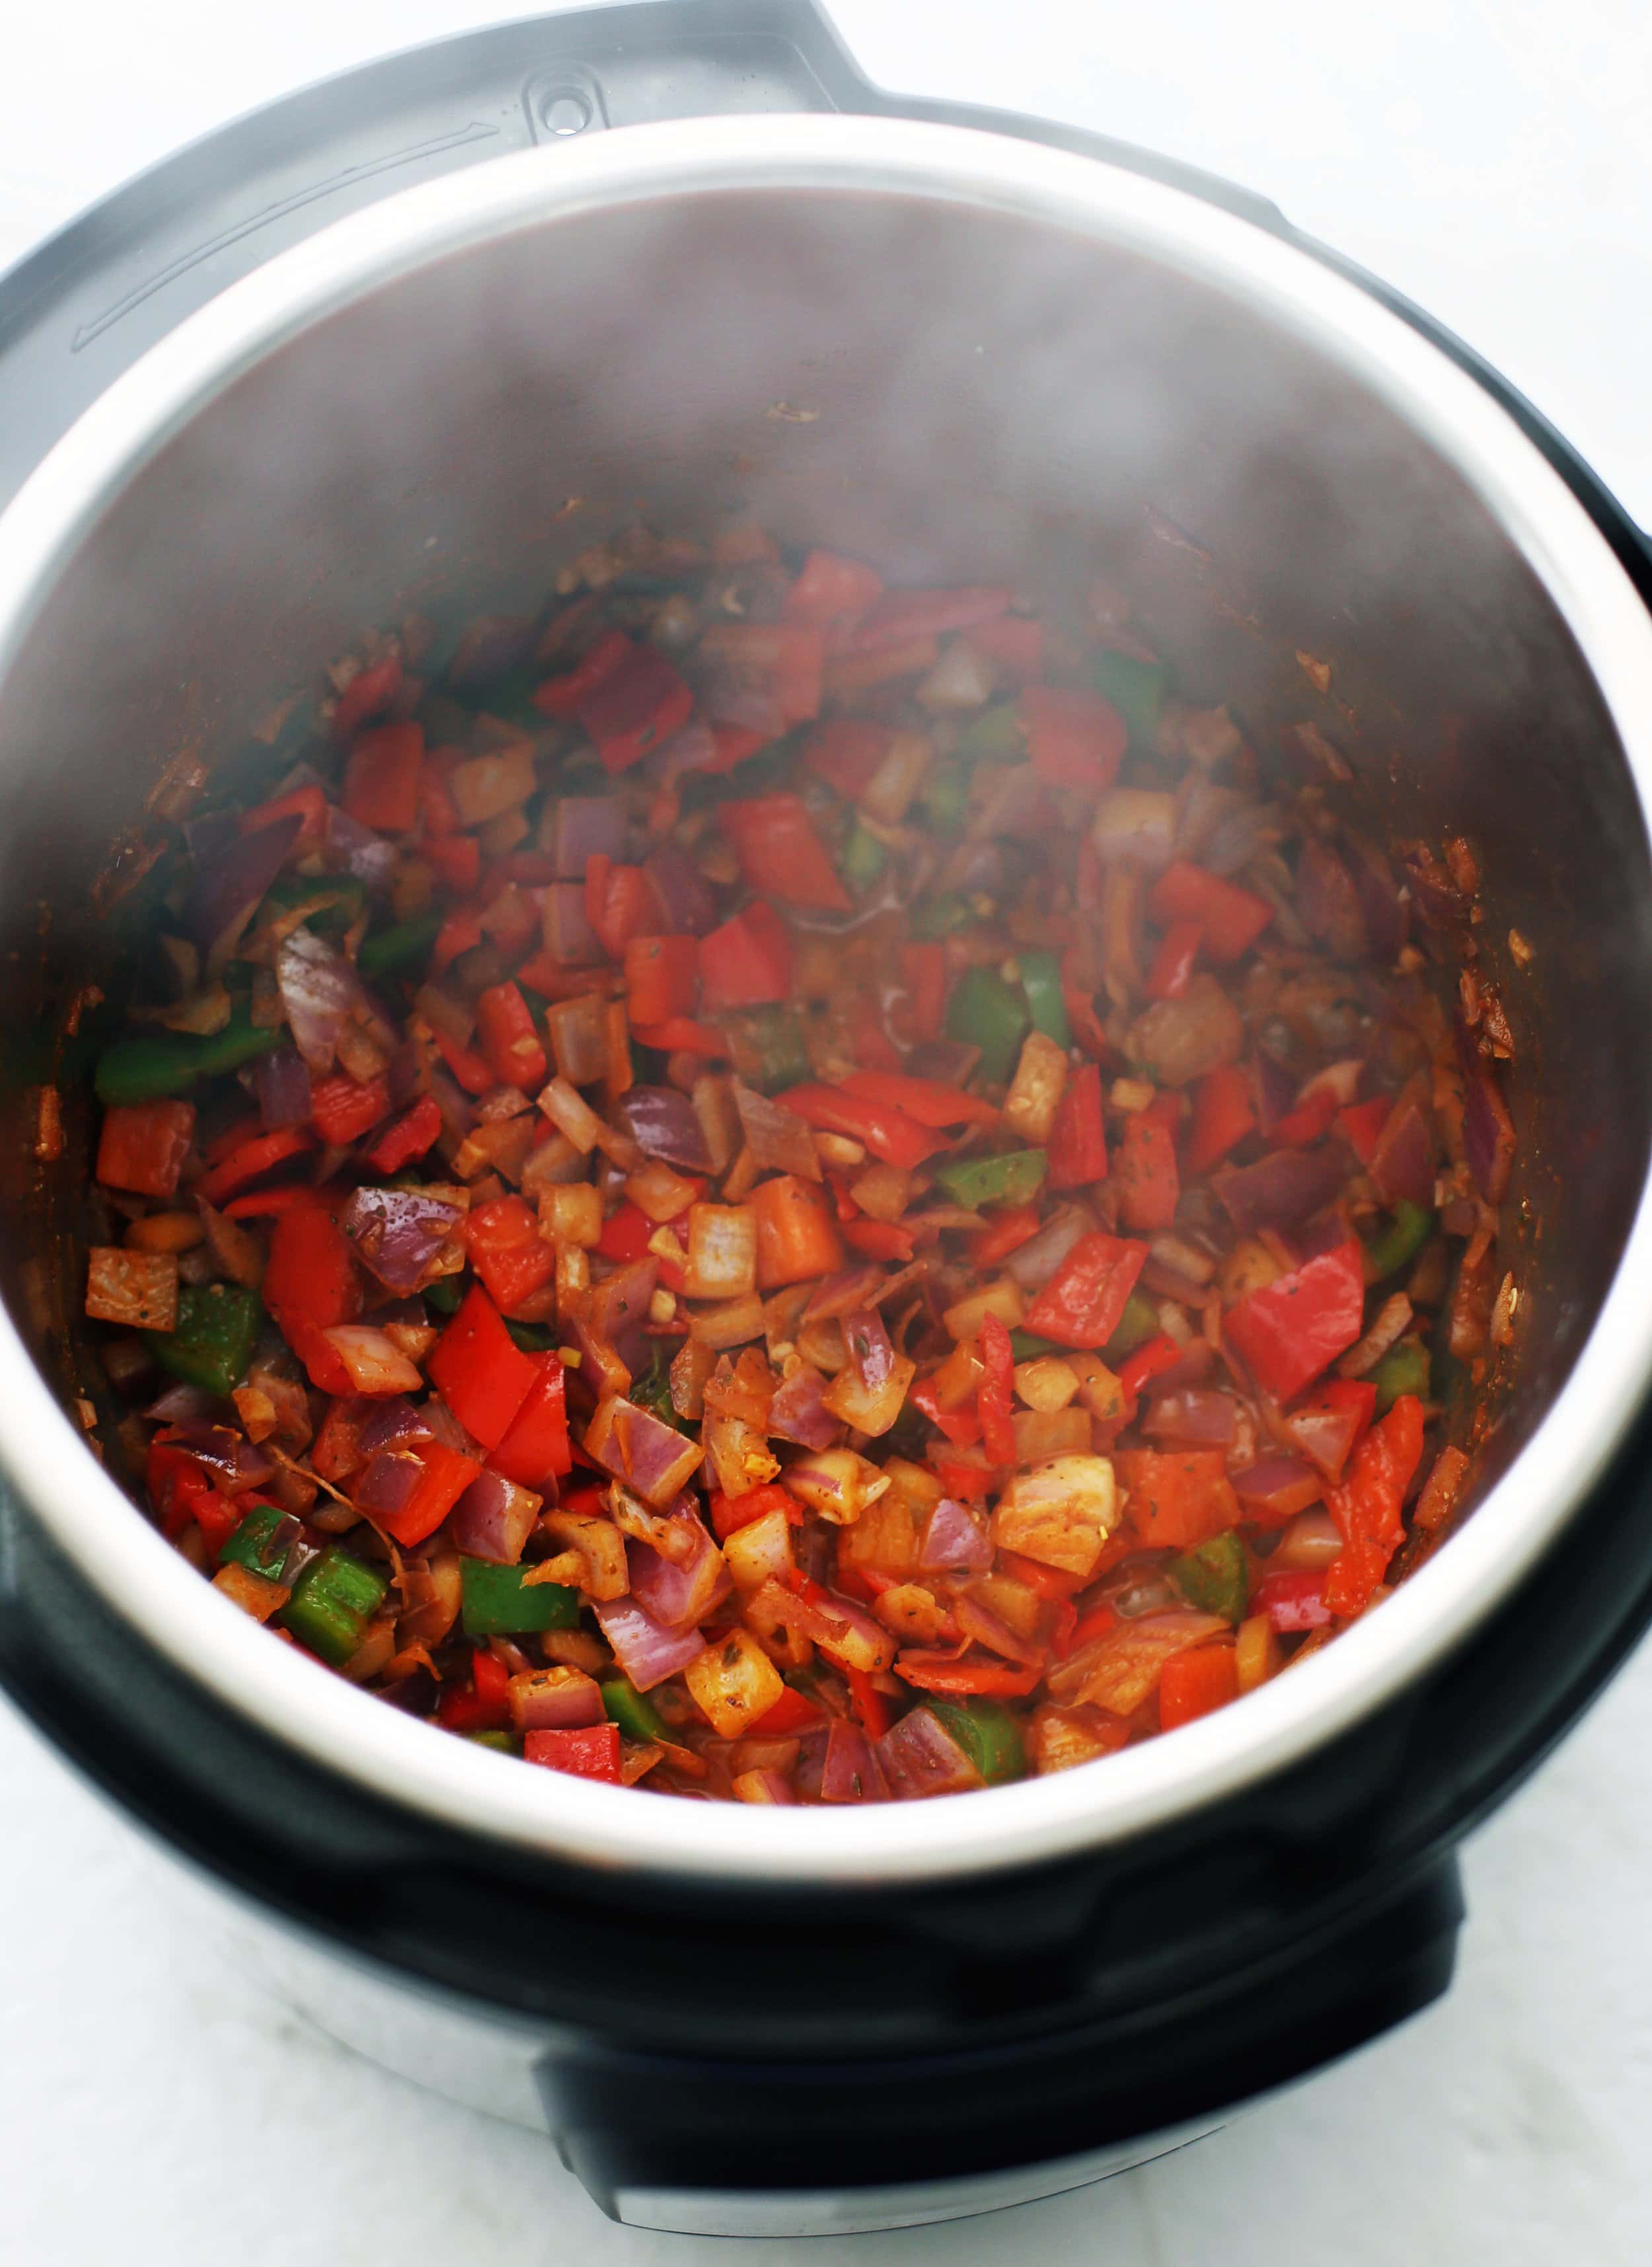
864	858
146	1069
1013	1177
218	1325
407	945
985	1012
444	1293
1041	981
332	1603
1136	690
501	1741
771	1047
497	1603
632	1711
1027	1345
532	1337
994	735
1407	1229
988	1734
1215	1577
1404	1368
1137	1325
251	1544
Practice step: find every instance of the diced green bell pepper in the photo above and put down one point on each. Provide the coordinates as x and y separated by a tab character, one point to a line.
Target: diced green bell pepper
408	945
532	1337
1136	690
501	1741
1404	1368
1027	1345
1401	1237
253	1544
218	1325
146	1069
934	917
1041	981
771	1047
332	1603
988	1734
1013	1177
993	734
1137	1325
632	1711
864	858
986	1012
945	798
497	1603
445	1293
1215	1577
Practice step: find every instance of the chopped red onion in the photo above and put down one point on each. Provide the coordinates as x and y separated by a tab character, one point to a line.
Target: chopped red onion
282	1082
918	1757
1328	902
579	1035
1032	1263
394	1424
388	1482
796	1412
398	1232
359	851
663	1124
318	988
617	1314
647	1651
636	1448
1380	905
568	936
493	1519
376	1363
871	1355
226	1452
956	1539
840	1295
1275	1090
230	883
950	1062
1276	1488
555	1700
184	1404
850	1772
677	1592
1402	1163
778	1139
1488	1133
1197	1416
583	827
765	1786
1279	1190
685	902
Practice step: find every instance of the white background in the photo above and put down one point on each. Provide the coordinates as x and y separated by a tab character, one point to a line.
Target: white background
1490	158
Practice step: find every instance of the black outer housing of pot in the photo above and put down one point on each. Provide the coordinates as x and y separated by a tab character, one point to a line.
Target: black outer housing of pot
717	2038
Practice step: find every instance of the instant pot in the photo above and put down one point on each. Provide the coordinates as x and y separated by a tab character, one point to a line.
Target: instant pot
411	340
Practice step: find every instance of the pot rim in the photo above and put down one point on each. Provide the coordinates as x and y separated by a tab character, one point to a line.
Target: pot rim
47	1457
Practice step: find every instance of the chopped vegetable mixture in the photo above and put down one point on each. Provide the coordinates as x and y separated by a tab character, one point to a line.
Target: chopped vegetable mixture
780	1190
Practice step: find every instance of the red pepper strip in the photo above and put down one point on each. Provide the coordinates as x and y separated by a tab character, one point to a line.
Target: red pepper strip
680	1035
176	1482
928	1100
791	1712
436	804
447	1474
1144	1173
636	708
343	1109
1367	1507
869	1043
994	1396
1077	1145
507	1251
259	1156
1192	1683
1094	1623
457	859
561	696
879	1239
832	592
1327	1424
625	1233
961	1427
368	692
870	1705
1050	1582
960	1478
310	1286
1292	1599
593	1751
382	777
480	1374
308	804
535	1452
731	1512
923	980
143	1146
1177	1499
901	616
1075	739
1080	1001
509	1042
1361	1124
460	932
1005	1233
1222	1117
845	751
1148	1361
404	1138
467	1067
779	853
940	1672
269	1204
1289	1331
619	903
887	1131
662	977
1173	969
484	1704
1083	1303
1231	918
747	962
1307	1122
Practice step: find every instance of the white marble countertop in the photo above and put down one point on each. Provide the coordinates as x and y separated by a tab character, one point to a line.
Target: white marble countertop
1490	157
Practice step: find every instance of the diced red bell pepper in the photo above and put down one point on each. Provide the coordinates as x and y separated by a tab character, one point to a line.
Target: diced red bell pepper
1078	995
562	696
780	854
369	693
1078	1146
1083	1301
878	1239
832	592
507	1251
1367	1507
446	1476
797	1238
269	1204
479	1372
929	1100
1173	963
435	804
900	618
592	1751
1013	643
960	1427
681	1035
1005	1232
845	751
1361	1124
731	1512
532	869
1290	1330
635	708
1075	739
662	977
343	1109
1150	1359
746	963
1144	1173
178	1483
311	1286
460	932
1193	1682
887	1131
534	1452
733	744
457	859
1304	1124
791	1712
383	773
261	1155
869	1705
473	1072
1231	918
625	1233
619	903
1327	1424
307	805
923	980
143	1146
1223	1116
404	1138
994	1396
942	1672
789	657
481	1705
232	1137
1292	1599
509	1042
1178	1499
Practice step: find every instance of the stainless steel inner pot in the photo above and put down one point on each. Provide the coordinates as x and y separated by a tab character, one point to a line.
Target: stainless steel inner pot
966	359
